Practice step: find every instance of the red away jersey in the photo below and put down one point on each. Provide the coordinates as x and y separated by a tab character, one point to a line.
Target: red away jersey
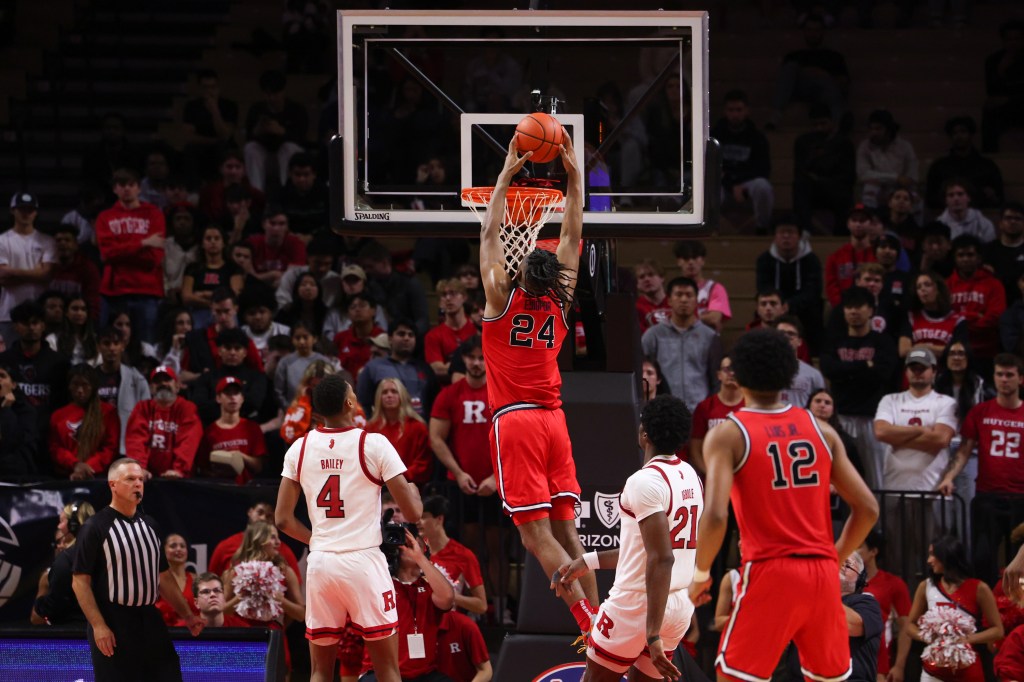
781	487
521	346
465	408
998	431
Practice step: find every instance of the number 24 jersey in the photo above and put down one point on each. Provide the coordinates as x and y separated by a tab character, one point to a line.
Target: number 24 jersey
521	346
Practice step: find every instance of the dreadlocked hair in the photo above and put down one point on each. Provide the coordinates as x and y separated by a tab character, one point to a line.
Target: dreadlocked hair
544	273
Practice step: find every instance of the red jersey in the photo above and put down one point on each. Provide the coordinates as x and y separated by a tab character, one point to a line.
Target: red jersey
465	408
999	432
129	267
521	346
709	413
245	436
412	441
936	330
894	599
460	647
780	491
650	314
64	426
458	564
220	560
441	341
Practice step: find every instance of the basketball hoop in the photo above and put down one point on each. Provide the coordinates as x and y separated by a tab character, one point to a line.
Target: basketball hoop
526	211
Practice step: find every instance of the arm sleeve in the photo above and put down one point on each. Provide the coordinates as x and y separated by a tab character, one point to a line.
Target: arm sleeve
649	342
718	300
257	443
291	460
432	351
947	415
136	436
871	613
87	547
699	429
645	493
64	459
475	645
900	597
969	429
190	432
442	407
884	412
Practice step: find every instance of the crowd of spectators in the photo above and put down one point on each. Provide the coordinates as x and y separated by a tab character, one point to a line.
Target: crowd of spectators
183	312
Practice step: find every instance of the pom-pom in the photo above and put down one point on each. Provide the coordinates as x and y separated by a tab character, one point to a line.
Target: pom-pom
945	629
259	585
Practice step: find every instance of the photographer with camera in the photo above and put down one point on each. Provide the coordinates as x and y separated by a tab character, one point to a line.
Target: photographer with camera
423	596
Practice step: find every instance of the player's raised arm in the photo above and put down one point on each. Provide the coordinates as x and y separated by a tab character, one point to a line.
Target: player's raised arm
568	250
852	488
496	281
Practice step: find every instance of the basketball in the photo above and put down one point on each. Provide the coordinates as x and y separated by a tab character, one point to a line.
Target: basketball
541	134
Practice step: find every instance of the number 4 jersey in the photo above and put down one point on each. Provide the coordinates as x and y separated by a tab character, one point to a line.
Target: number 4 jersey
341	472
780	489
669	486
521	346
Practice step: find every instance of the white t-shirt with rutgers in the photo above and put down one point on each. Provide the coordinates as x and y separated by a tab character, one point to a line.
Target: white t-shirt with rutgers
909	468
341	472
665	485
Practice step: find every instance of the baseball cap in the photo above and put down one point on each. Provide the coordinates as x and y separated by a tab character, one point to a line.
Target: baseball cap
353	271
920	356
24	200
381	341
163	369
860	209
235	337
228	382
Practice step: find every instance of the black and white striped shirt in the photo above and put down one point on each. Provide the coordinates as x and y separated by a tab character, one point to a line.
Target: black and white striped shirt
123	556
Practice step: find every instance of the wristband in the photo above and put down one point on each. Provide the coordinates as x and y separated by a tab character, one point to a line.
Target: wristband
700	576
592	561
653	639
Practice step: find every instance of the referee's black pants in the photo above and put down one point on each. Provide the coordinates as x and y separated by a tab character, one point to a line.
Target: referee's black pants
143	649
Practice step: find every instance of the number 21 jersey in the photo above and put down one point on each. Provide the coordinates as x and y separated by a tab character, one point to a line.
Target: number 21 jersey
341	472
780	489
521	347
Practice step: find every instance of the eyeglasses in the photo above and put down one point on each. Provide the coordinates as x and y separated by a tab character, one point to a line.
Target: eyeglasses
211	590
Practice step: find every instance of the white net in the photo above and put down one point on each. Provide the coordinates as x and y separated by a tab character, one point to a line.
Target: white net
526	211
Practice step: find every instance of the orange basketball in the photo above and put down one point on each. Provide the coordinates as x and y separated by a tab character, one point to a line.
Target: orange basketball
541	134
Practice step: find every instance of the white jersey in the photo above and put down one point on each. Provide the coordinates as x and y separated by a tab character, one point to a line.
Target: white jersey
909	468
665	485
341	472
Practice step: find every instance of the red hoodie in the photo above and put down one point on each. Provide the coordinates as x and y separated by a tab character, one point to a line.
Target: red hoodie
163	438
129	267
841	270
64	425
981	300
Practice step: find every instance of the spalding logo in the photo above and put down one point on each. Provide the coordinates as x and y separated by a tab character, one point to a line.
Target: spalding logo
567	672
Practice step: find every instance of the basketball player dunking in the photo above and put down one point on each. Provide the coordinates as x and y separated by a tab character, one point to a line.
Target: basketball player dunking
777	461
523	329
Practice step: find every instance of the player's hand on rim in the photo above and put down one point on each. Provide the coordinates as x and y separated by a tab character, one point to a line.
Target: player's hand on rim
105	640
664	666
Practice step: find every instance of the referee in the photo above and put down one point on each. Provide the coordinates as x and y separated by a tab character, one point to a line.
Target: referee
117	579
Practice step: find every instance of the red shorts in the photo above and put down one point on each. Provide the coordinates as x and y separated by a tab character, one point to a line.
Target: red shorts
533	464
782	600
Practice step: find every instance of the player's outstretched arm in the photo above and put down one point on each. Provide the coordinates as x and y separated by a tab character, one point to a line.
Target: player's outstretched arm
852	488
407	495
284	513
496	281
568	250
656	536
722	449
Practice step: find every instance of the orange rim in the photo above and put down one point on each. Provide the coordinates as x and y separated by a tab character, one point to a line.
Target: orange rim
537	196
